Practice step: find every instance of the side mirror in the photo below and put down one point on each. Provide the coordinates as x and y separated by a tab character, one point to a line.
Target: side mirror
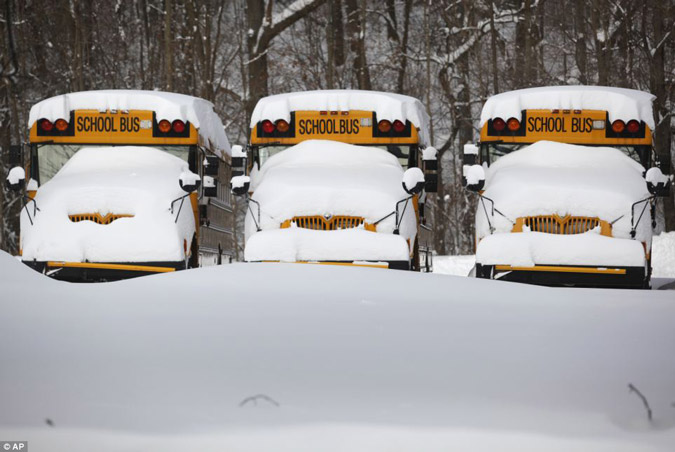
430	158
211	164
189	181
238	156
239	185
210	187
16	178
658	183
413	181
469	158
474	176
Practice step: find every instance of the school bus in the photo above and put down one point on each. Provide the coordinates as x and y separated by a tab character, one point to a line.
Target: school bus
122	183
592	117
378	122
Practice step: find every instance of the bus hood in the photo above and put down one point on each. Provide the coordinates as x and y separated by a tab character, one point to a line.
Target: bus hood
128	188
325	178
549	178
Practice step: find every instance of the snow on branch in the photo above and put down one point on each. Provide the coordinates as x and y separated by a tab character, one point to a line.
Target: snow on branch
273	24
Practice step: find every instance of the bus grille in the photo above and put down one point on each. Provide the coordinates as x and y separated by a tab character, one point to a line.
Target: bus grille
554	224
319	223
97	217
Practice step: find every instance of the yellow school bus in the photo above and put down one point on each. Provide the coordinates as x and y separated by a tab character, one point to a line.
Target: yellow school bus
392	123
124	183
588	118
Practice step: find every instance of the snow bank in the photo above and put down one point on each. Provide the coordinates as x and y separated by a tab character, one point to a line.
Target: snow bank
620	103
297	244
385	105
139	181
353	359
169	106
663	255
319	177
525	249
459	265
555	178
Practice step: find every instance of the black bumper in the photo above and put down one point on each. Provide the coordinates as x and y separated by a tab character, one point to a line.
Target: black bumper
575	276
102	271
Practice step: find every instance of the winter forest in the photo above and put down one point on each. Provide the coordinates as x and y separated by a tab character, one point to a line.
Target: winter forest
450	54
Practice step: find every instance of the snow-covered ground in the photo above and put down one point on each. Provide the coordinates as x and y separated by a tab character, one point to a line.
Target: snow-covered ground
259	357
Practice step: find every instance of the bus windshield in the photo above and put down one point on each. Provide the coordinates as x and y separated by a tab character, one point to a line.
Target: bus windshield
51	157
402	152
490	152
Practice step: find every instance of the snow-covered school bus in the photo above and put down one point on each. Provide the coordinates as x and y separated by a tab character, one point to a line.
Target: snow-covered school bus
122	183
564	198
338	177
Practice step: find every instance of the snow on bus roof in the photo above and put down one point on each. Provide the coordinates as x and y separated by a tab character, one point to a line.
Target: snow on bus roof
170	106
620	103
386	105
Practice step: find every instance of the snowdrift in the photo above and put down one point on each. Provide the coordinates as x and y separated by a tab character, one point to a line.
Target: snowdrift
306	358
555	178
131	180
320	177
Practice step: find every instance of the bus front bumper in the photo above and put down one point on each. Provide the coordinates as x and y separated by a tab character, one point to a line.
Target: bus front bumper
101	271
568	275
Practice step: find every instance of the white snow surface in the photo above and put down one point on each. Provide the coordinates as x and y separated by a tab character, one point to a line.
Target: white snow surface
620	103
306	358
169	106
459	265
555	178
318	177
663	255
298	244
139	181
385	105
525	249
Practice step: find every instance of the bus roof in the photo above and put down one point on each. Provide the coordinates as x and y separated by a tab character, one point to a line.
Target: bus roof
385	105
169	106
620	103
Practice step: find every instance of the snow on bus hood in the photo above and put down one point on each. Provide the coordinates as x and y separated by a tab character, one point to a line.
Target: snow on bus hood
554	178
138	181
319	177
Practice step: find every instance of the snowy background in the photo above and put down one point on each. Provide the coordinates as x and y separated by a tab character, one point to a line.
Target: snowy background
450	55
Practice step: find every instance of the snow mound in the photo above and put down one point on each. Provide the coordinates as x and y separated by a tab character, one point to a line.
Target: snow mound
297	244
124	180
318	177
526	249
620	103
385	105
355	359
663	255
169	106
548	178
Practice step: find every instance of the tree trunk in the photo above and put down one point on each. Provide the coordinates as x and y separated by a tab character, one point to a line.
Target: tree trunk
168	46
662	135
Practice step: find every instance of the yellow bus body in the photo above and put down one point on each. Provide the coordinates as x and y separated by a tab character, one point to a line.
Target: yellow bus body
133	127
585	127
352	127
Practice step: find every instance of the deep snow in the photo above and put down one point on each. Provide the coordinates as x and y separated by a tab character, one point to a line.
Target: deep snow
348	359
